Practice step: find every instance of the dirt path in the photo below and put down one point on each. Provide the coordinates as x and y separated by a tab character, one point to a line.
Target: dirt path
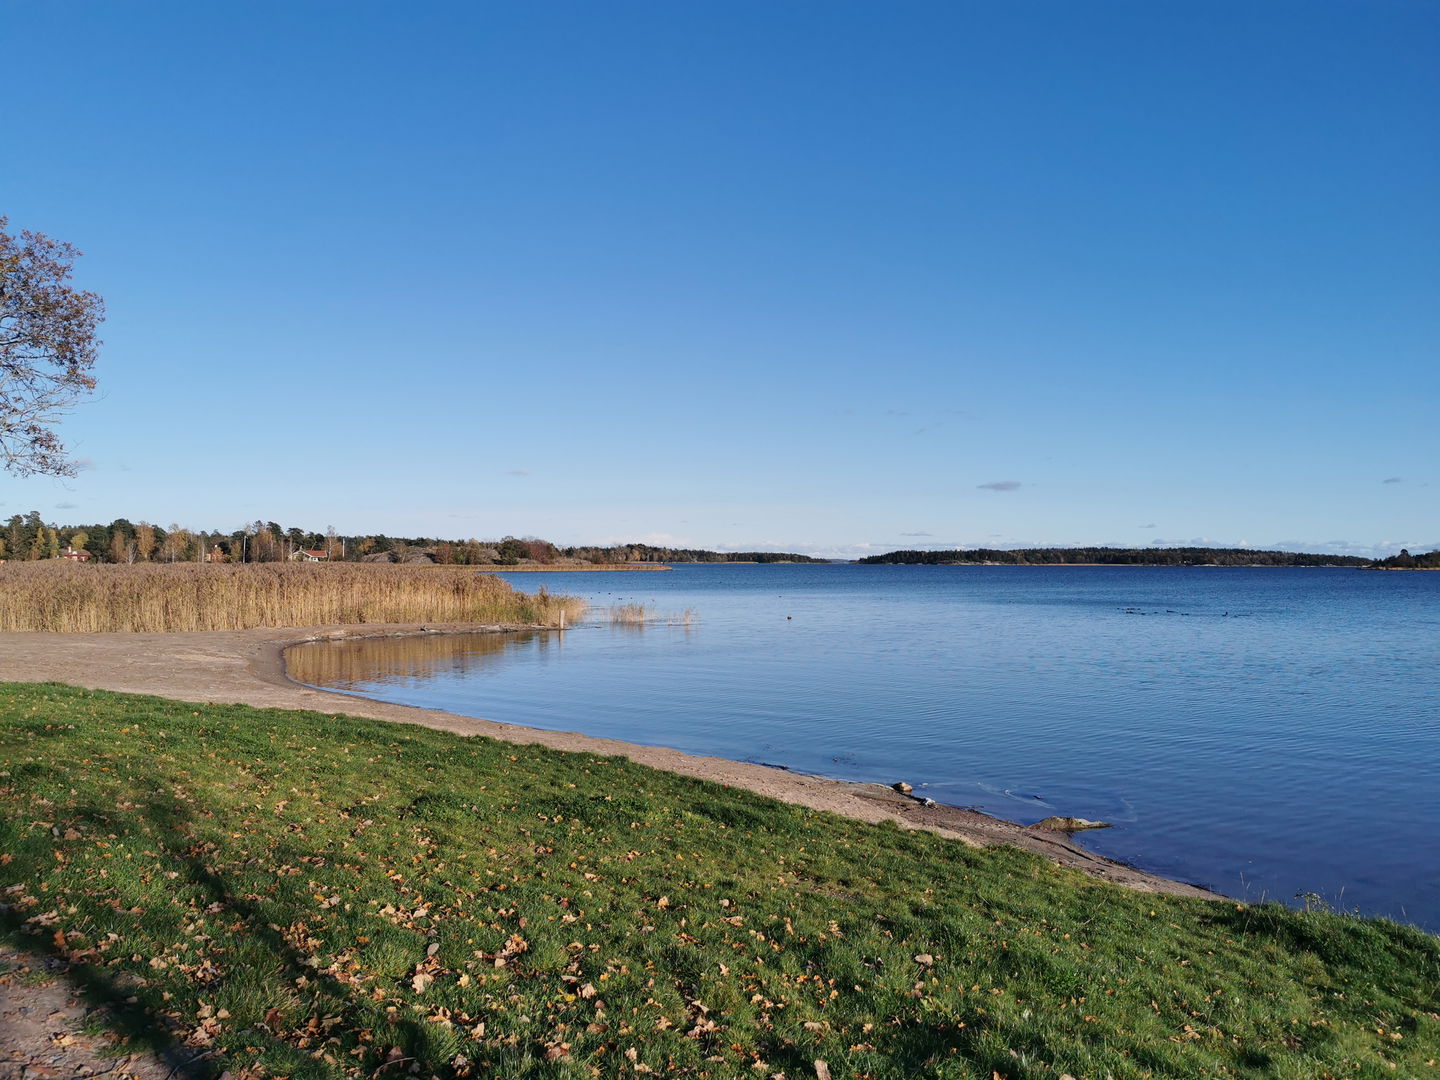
43	1034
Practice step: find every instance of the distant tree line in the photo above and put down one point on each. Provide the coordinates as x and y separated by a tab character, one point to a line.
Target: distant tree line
1108	556
28	537
625	553
1406	561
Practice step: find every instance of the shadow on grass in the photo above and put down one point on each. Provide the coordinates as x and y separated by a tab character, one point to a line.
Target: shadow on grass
1387	950
135	1008
105	991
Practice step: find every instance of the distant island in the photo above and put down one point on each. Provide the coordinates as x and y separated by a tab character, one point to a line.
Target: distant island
1405	561
646	553
1110	556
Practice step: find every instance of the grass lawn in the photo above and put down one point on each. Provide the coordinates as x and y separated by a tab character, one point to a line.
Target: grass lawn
311	895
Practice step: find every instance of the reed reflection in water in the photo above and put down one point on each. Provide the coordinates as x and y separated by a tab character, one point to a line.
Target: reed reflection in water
349	665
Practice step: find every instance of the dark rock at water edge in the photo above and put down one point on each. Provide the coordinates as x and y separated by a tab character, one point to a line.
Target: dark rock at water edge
1069	824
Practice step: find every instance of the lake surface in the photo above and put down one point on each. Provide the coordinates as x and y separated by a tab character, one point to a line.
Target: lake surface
1263	732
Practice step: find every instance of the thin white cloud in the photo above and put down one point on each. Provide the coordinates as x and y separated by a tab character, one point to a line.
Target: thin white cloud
1000	485
518	472
1380	550
1194	541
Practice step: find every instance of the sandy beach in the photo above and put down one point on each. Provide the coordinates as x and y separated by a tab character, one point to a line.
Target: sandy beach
247	667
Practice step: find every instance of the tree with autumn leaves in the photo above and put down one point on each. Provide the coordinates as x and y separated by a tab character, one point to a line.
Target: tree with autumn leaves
47	349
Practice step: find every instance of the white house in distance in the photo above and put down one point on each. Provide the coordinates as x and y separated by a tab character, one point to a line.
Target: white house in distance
304	555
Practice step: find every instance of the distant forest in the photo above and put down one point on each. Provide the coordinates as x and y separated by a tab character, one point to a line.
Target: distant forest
1406	561
1108	556
27	537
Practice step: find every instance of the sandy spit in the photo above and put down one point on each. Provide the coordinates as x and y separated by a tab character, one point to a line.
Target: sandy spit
247	667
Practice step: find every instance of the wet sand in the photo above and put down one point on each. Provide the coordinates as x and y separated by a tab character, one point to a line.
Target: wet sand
247	667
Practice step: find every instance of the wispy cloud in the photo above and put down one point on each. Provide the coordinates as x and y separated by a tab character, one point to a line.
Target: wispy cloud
844	551
799	547
1393	480
1319	547
1000	485
1393	547
941	545
917	534
1152	525
65	506
1194	541
518	472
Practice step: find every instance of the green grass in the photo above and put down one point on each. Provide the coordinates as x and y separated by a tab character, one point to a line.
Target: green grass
307	895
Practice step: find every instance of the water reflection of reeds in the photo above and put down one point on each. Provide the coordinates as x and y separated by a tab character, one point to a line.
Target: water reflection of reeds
389	659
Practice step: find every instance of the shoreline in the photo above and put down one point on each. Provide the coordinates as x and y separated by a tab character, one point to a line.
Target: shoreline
247	667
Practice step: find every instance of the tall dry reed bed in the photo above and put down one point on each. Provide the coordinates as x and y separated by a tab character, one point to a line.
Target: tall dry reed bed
66	598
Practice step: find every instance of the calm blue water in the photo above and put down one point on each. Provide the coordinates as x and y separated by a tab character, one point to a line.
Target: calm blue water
1261	732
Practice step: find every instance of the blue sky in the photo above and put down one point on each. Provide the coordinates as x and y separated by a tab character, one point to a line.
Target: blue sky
832	277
